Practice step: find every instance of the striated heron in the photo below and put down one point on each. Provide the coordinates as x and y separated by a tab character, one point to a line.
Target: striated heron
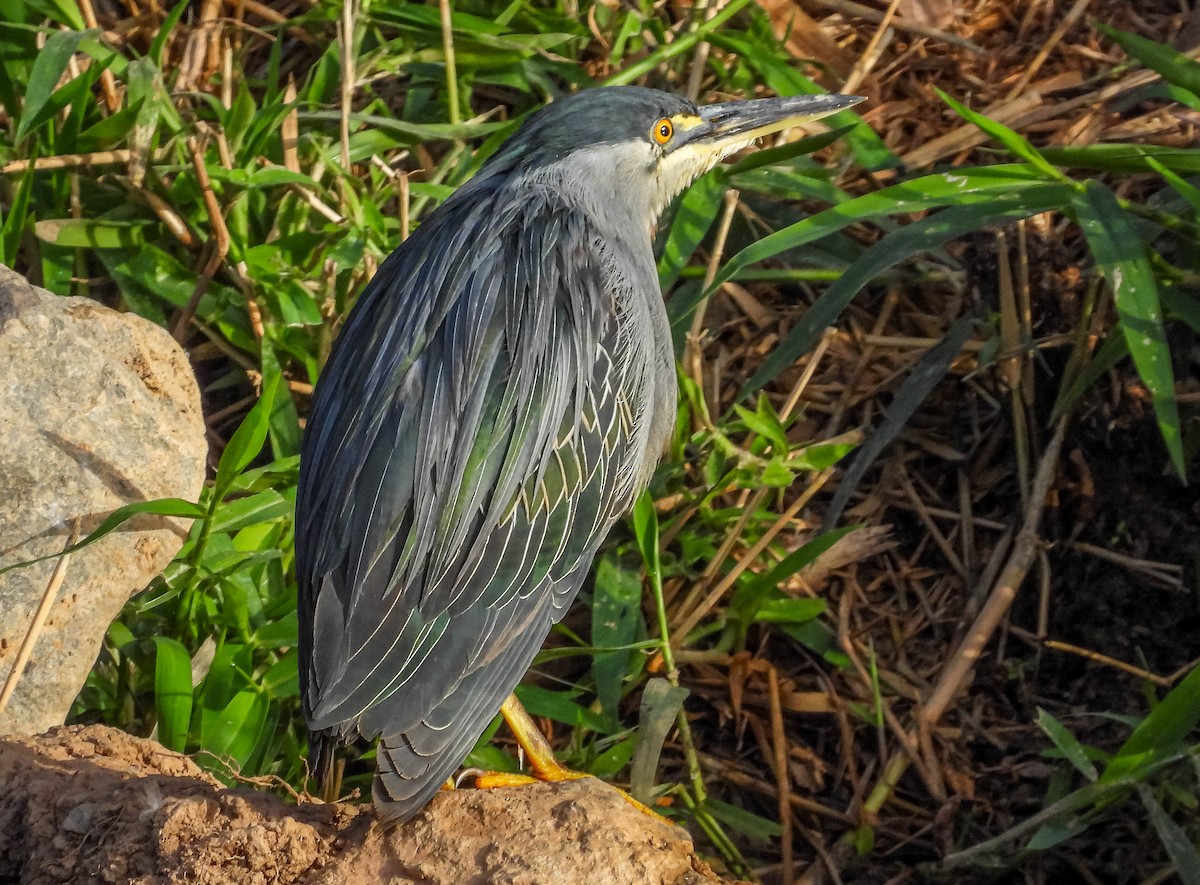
499	395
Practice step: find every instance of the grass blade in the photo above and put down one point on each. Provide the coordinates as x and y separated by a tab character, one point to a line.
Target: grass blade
931	368
1111	352
47	69
172	692
159	507
1067	744
960	189
1121	256
247	441
693	216
1181	186
1175	67
1161	733
921	236
616	613
14	221
1015	143
661	703
1184	856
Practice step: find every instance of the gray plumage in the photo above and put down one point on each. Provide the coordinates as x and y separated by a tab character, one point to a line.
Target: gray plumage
499	395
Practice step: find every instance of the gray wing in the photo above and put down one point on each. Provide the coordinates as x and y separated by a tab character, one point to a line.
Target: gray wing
471	443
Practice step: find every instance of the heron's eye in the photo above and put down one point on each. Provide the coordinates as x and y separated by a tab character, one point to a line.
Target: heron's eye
663	130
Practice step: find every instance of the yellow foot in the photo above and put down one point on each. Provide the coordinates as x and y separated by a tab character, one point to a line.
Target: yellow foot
490	780
542	762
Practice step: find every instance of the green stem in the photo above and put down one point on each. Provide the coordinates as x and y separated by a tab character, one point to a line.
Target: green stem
451	66
654	567
716	835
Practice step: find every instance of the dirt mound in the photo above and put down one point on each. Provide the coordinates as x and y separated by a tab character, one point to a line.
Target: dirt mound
95	805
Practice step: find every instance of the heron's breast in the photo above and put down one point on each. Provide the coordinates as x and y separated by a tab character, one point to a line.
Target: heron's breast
648	362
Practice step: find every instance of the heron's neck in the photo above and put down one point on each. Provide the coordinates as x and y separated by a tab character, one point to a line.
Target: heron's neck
611	187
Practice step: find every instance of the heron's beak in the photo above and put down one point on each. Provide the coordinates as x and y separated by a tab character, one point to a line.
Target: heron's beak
726	127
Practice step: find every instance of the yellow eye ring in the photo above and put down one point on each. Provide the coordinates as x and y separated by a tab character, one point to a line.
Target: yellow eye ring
663	130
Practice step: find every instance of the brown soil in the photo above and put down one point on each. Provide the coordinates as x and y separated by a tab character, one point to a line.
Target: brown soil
95	805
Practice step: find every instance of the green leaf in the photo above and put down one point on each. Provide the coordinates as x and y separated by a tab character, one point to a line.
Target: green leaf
682	43
172	692
164	31
612	760
284	423
489	758
282	680
410	133
47	69
247	441
234	731
788	610
958	188
765	422
661	703
819	456
1161	734
1123	157
749	597
15	219
645	528
777	474
110	131
90	233
1120	255
742	821
1178	183
560	706
1056	832
264	506
616	615
278	634
1067	744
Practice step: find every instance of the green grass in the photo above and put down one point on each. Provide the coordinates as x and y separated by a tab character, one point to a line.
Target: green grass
205	658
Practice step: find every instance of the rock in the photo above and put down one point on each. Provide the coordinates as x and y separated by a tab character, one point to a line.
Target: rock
92	804
97	409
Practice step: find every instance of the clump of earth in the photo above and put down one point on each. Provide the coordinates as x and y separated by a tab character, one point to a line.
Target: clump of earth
91	804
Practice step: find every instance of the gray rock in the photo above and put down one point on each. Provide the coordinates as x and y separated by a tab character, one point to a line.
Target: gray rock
97	409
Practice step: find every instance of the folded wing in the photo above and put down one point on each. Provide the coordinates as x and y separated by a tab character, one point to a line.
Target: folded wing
473	438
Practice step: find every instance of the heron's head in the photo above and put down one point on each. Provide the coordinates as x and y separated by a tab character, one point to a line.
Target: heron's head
634	149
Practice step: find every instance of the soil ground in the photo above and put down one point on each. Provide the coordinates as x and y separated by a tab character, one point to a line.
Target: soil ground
95	805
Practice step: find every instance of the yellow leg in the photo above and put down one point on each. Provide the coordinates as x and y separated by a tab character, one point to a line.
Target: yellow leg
542	762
